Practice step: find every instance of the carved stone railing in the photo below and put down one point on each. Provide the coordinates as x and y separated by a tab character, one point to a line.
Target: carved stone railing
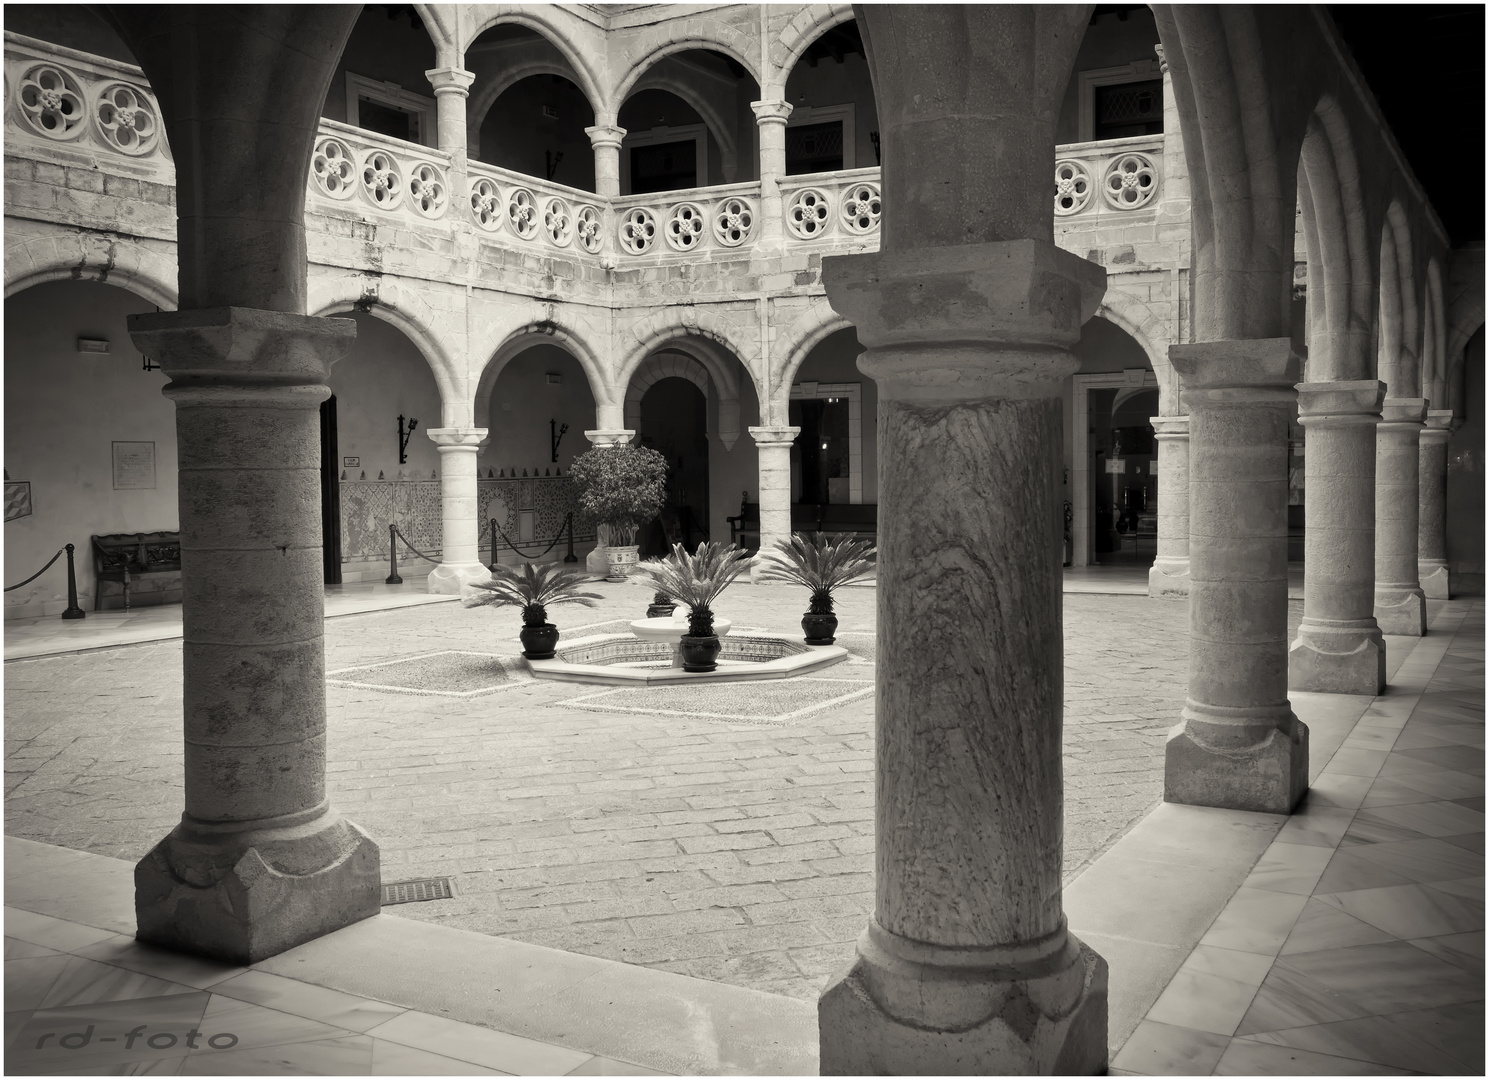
841	205
1115	176
719	219
526	210
367	172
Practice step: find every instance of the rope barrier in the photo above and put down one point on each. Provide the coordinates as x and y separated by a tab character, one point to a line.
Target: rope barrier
73	611
416	551
567	525
43	570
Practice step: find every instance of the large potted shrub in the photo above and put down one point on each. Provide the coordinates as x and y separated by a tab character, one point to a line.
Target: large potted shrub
622	488
696	581
534	588
822	564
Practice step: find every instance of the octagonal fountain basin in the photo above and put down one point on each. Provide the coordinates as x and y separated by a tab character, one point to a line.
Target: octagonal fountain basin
637	660
671	628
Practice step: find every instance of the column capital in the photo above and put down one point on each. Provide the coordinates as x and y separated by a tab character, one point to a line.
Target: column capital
450	80
774	436
1162	60
1439	425
1398	411
1170	427
605	135
610	436
244	350
1246	371
1340	404
966	321
772	112
457	438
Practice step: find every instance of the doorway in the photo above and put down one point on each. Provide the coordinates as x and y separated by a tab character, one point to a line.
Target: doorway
674	422
330	494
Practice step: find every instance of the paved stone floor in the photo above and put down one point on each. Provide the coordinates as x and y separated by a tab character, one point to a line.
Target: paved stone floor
584	818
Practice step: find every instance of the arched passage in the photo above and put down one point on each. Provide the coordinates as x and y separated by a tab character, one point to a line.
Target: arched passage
836	407
90	442
379	82
834	122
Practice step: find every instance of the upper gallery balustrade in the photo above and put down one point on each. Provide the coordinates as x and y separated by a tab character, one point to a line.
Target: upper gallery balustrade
78	110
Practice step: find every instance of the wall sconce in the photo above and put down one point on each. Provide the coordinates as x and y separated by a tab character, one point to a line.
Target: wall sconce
403	438
555	436
94	346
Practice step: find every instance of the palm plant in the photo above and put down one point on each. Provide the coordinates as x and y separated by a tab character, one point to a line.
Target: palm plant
696	580
532	588
822	564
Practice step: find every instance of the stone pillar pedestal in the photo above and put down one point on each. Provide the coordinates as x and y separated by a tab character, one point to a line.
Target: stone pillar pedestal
1239	746
260	861
774	446
460	559
610	436
967	965
1400	604
606	140
1432	506
1339	648
1169	575
771	117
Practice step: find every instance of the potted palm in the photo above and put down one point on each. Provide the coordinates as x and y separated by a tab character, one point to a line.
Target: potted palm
696	581
622	488
821	564
533	588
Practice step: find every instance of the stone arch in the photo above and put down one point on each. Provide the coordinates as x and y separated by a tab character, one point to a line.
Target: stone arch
670	324
1399	365
655	368
441	23
810	23
665	40
556	35
723	135
1434	362
482	102
701	359
518	341
1139	321
808	330
87	256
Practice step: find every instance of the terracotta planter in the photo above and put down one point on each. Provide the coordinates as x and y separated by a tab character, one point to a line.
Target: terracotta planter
700	653
819	629
622	559
538	641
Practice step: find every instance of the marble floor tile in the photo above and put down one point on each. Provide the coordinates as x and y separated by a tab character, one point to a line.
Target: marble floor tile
1461	950
87	982
1389	792
1289	998
304	999
1338	789
1389	977
1459	758
1471	888
256	1026
56	934
1255	921
1370	1039
1246	1057
1323	926
1357	762
1423	861
29	980
160	1067
1366	831
1373	737
1289	868
395	1059
1203	1002
1430	818
1471	842
1442	783
1155	1049
493	1049
1475	802
125	952
16	949
350	1055
602	1066
1458	1030
1410	911
14	1021
1421	740
99	1034
1407	764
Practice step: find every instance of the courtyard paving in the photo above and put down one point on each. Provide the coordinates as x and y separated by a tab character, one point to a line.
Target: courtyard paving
723	832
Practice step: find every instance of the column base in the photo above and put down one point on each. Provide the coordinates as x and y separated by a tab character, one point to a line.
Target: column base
1169	578
245	895
447	578
1402	612
1337	660
1236	766
1433	578
909	1008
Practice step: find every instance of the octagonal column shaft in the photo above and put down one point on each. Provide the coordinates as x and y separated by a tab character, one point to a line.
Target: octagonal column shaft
966	965
771	118
1339	648
1169	575
1432	506
1239	745
606	140
460	558
1400	604
260	861
774	447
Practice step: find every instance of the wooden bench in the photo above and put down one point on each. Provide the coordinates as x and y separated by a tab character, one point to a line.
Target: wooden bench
125	557
858	520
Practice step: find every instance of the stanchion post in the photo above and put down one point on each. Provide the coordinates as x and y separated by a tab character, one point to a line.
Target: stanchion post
392	578
569	522
73	611
491	525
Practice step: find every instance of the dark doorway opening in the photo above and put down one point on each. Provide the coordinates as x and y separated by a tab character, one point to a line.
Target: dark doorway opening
674	422
330	494
820	465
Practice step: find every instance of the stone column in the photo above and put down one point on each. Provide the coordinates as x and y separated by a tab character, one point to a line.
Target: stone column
260	861
1339	648
460	558
1239	746
451	88
771	117
596	562
1169	575
606	139
774	447
1432	506
966	965
1400	604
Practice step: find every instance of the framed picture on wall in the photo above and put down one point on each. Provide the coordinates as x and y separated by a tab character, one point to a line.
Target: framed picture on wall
17	499
134	466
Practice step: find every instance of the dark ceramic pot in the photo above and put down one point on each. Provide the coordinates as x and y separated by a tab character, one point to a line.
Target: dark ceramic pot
700	653
819	629
538	641
661	607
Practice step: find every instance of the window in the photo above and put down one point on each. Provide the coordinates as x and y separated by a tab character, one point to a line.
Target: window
820	140
664	159
388	109
1119	102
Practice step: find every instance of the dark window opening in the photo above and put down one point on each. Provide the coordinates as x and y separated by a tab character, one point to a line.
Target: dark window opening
665	167
1129	109
813	148
387	120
